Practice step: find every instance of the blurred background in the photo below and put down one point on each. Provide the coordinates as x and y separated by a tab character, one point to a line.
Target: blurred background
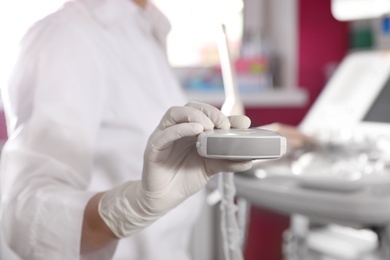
284	52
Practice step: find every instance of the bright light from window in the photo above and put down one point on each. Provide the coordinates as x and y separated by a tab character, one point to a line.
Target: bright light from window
192	40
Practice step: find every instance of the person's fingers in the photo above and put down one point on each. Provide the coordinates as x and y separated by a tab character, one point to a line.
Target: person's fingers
220	120
272	127
217	165
295	138
240	122
179	115
166	137
294	143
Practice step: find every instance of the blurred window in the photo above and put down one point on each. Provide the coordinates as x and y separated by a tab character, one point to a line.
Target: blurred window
192	40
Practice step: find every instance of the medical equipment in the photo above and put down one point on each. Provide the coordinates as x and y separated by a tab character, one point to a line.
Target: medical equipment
231	239
347	180
241	144
231	234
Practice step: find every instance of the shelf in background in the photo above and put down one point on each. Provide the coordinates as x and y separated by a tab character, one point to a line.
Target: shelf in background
273	98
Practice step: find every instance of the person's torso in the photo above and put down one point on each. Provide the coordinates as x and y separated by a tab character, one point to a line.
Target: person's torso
140	88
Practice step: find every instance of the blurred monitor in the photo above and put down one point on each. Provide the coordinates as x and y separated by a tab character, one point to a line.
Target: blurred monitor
356	98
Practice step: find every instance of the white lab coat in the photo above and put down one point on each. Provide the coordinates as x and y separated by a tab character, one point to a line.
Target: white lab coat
91	84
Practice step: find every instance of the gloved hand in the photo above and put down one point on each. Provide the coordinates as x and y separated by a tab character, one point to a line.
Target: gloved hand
172	171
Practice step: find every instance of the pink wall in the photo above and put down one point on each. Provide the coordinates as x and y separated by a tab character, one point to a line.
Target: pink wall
322	41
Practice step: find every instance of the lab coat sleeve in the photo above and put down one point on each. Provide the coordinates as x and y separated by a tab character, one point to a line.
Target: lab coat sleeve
53	106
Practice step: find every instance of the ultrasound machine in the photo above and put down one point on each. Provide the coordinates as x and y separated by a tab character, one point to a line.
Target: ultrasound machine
338	193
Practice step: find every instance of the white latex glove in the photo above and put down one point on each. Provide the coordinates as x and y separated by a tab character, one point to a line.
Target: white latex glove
172	171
